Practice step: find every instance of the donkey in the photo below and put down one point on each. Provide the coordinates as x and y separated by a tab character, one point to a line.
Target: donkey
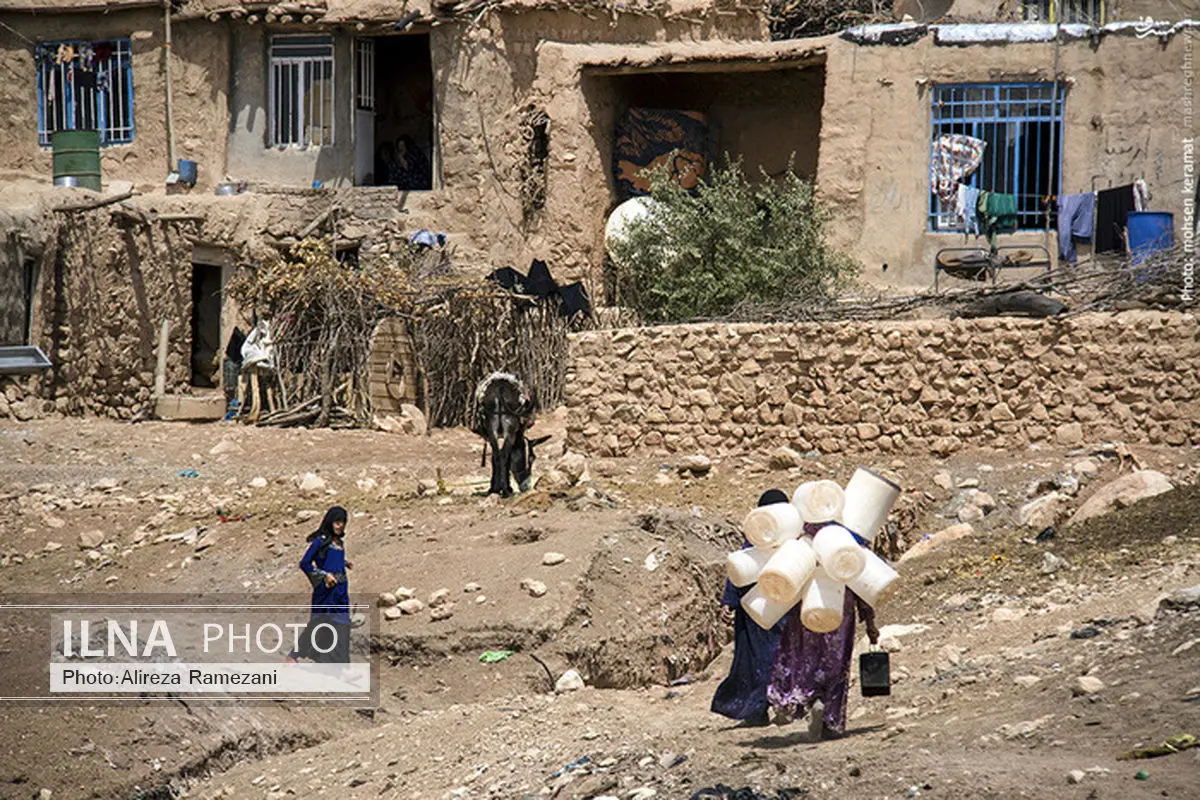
504	411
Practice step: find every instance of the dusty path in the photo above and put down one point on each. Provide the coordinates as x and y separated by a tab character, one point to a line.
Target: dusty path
967	717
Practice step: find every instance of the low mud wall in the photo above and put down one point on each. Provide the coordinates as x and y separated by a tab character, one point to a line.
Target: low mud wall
881	386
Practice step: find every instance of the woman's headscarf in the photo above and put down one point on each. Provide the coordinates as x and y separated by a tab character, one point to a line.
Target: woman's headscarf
772	496
335	514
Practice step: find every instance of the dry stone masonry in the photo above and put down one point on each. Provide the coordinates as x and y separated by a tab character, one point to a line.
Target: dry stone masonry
880	386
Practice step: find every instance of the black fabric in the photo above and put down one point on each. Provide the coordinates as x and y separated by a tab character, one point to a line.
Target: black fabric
233	350
323	633
508	278
335	514
1112	213
539	283
574	300
772	496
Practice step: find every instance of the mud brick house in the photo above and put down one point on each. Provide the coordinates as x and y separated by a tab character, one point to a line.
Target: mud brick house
515	109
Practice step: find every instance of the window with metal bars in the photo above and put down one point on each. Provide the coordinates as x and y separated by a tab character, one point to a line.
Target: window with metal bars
1022	125
301	91
85	86
1089	12
364	74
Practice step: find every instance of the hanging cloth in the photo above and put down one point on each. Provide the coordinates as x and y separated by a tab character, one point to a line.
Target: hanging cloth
1076	220
953	157
1112	212
967	208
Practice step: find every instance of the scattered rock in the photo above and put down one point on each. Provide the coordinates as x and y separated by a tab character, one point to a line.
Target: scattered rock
309	483
441	611
392	612
534	588
569	681
1123	492
413	421
106	484
1069	434
90	540
1027	681
1052	563
52	546
550	559
427	486
553	481
1087	684
387	600
472	587
943	481
1076	776
1043	512
1186	646
404	593
439	597
947	658
573	466
696	465
366	484
936	540
1086	468
55	523
480	600
784	457
411	606
970	513
258	483
306	514
968	483
1005	615
225	446
1182	600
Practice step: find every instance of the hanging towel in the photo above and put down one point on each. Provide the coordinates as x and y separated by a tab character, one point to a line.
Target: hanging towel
1112	212
999	214
953	157
967	208
1076	216
1141	195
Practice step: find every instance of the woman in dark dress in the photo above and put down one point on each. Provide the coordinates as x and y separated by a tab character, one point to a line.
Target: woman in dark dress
326	640
743	695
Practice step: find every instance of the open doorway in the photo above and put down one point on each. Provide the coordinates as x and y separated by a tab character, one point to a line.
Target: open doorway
206	325
394	112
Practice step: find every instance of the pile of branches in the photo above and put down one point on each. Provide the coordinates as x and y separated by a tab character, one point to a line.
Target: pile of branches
1099	284
464	333
323	314
796	19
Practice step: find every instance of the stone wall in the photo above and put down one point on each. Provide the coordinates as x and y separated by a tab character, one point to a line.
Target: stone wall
884	386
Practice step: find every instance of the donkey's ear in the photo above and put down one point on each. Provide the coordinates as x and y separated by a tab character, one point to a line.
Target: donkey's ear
540	440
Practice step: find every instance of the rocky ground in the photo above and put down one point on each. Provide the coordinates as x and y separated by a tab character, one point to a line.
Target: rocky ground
1034	641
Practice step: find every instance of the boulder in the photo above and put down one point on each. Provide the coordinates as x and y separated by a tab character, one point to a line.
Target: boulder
1123	492
784	457
387	600
534	588
1043	512
412	606
574	466
412	420
392	612
90	540
1087	684
936	540
569	681
310	483
550	559
696	465
225	446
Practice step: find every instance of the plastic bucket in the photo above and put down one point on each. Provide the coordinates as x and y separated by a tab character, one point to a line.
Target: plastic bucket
76	158
819	501
769	526
187	172
1149	232
784	577
840	555
869	498
742	567
821	609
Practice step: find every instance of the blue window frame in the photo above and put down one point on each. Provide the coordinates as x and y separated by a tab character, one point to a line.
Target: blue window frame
1090	12
1022	125
85	86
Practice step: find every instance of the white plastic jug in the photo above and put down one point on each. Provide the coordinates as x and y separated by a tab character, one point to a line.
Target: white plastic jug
877	582
764	611
819	501
841	556
788	571
771	525
743	566
821	611
869	498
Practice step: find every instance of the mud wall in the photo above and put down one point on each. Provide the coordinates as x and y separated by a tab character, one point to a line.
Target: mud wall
1123	121
884	386
200	78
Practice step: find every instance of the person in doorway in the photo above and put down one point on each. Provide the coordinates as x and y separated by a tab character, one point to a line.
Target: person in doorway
326	640
815	667
743	695
412	167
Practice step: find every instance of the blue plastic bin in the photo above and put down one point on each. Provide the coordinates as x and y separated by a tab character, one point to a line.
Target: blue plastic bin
187	172
1150	232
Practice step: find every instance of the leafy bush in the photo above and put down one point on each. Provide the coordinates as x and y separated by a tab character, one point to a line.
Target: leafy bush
728	242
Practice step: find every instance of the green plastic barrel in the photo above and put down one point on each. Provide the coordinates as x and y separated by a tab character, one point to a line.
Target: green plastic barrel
76	158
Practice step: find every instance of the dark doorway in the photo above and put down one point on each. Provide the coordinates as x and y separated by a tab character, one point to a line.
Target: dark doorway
206	325
401	111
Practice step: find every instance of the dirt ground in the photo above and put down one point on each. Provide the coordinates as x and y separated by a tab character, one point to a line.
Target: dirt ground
987	649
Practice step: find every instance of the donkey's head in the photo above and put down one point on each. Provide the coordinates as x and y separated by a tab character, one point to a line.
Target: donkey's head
521	461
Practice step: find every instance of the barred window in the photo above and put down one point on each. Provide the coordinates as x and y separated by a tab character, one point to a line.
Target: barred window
85	86
1090	12
1022	125
301	91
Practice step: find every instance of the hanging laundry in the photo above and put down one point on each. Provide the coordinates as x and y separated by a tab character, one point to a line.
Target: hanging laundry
1076	220
65	54
954	157
967	208
1112	212
104	51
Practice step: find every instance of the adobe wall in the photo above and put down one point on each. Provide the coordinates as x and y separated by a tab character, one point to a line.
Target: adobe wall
200	81
884	386
1123	121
